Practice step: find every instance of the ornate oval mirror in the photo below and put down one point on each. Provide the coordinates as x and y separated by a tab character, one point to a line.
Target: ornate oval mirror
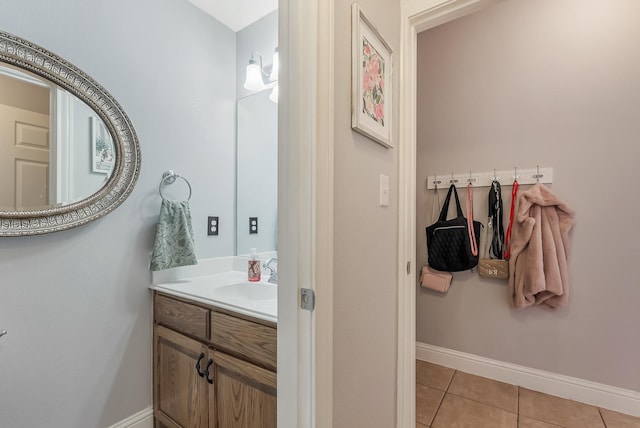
68	152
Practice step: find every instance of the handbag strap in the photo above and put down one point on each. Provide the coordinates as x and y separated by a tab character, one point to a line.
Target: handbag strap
496	243
445	206
470	229
507	240
487	242
436	203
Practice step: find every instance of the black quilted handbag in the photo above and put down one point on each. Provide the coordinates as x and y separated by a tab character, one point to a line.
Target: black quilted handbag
448	242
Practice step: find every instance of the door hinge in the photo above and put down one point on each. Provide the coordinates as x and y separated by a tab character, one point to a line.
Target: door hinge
307	299
408	268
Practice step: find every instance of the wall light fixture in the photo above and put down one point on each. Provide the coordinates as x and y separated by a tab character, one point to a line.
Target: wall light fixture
254	80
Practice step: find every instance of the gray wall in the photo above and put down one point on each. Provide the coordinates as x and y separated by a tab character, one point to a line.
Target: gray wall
76	303
257	142
550	83
365	238
257	167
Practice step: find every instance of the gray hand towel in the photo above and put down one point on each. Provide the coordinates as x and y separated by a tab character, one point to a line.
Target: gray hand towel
174	245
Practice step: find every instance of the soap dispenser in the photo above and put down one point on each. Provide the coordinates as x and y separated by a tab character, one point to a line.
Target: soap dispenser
254	266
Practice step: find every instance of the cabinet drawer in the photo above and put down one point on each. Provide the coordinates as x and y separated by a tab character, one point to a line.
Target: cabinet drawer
253	341
181	316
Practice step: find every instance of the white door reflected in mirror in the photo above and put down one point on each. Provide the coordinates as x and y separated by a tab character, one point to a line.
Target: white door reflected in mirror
54	150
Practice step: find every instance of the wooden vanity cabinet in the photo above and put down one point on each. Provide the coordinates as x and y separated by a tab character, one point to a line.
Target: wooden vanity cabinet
181	395
245	394
212	369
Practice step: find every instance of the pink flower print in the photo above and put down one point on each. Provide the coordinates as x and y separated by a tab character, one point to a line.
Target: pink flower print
380	112
372	82
368	80
375	65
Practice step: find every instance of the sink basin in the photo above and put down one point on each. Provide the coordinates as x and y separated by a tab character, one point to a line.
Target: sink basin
247	291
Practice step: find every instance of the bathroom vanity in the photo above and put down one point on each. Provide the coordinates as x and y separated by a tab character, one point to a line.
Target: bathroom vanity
214	353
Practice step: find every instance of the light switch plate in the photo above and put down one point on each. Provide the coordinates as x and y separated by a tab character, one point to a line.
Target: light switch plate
384	190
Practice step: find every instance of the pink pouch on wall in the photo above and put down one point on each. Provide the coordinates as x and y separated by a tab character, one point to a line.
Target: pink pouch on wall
435	279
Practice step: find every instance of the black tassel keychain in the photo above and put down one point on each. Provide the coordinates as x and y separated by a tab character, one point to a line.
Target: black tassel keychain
495	219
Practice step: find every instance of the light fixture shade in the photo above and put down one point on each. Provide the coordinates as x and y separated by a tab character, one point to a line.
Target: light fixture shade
275	67
253	81
273	96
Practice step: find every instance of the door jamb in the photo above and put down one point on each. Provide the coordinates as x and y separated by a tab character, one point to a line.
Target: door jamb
305	212
416	16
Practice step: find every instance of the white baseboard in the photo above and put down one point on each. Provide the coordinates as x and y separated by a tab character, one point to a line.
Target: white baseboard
142	419
597	394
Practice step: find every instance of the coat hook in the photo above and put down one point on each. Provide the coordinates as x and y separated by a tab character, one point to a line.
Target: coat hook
471	179
515	173
538	176
436	181
453	181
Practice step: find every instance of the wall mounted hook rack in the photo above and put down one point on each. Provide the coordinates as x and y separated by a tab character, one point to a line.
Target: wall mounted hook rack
505	177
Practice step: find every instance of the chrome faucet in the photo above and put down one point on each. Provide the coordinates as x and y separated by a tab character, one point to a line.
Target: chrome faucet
273	274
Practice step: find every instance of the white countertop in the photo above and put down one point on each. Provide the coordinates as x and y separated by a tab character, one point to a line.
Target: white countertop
208	289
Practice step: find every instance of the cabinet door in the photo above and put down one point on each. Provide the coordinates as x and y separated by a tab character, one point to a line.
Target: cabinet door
245	394
181	395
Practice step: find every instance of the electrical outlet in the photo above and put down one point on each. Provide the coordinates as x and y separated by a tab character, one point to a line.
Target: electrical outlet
213	225
253	225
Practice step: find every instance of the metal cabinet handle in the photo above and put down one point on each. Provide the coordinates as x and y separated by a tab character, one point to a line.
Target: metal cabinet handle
3	332
206	371
198	364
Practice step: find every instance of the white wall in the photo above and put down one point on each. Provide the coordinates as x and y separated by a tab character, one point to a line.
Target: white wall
84	181
551	83
365	242
23	95
76	303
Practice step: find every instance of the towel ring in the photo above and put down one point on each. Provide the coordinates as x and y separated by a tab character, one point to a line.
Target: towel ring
169	177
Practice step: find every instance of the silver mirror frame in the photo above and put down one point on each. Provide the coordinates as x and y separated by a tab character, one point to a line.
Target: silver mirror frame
33	58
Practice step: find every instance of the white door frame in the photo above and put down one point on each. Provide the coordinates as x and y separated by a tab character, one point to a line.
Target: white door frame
416	16
305	212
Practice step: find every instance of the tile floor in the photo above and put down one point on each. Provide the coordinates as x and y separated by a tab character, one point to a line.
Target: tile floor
447	398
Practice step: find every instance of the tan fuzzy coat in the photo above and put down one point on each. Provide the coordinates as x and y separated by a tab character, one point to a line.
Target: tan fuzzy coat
540	246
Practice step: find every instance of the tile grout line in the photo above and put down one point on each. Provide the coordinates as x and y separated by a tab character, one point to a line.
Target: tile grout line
446	391
518	407
482	403
451	380
531	417
487	405
519	389
437	410
602	417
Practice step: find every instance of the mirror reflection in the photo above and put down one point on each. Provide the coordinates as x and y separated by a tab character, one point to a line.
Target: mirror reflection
54	149
257	173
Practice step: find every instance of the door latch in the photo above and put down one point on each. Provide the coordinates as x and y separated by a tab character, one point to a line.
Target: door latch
307	299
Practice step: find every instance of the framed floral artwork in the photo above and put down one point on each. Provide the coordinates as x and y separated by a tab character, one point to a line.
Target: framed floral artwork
371	80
